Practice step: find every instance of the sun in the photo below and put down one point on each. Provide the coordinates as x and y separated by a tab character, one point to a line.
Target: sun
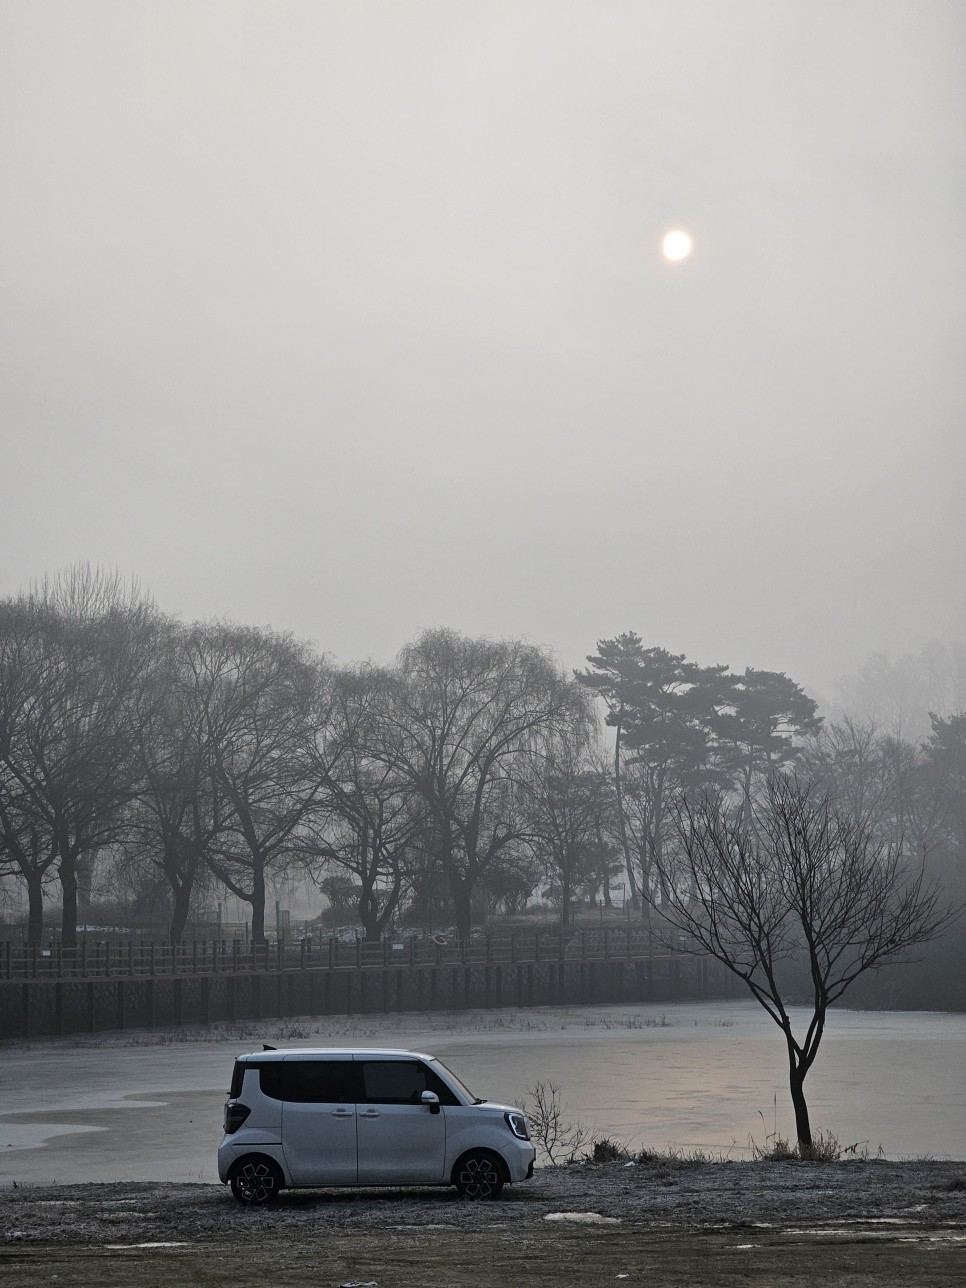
676	245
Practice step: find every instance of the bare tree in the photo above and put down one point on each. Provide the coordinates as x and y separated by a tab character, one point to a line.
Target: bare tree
27	847
944	774
570	796
256	696
804	883
27	852
179	811
470	717
367	815
900	693
847	757
913	795
77	668
553	1133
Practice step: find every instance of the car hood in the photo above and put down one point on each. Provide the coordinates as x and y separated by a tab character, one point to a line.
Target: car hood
494	1106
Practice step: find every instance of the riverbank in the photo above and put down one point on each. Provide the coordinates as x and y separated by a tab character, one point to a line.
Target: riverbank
669	1221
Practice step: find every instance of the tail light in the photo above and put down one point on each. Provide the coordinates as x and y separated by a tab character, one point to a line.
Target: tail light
235	1115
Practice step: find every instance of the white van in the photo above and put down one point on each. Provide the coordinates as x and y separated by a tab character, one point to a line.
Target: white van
357	1117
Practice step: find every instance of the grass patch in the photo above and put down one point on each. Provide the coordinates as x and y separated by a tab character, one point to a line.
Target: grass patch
632	1022
825	1148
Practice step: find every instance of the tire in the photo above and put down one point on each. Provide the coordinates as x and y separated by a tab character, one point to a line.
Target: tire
255	1180
479	1175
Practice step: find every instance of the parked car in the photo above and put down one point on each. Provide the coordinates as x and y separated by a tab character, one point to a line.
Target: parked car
302	1118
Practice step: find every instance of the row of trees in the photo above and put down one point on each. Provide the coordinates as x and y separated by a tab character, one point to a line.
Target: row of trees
680	727
187	759
213	752
686	731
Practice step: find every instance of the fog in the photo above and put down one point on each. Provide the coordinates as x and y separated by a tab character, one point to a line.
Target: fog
353	319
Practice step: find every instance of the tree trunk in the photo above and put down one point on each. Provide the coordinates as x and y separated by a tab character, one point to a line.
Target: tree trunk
621	820
746	790
258	901
803	1129
67	872
372	922
462	890
565	901
35	905
179	914
377	918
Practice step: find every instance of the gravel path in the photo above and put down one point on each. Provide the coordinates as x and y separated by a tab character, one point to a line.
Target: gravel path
689	1195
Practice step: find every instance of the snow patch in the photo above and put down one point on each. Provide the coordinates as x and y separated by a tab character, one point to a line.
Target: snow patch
583	1218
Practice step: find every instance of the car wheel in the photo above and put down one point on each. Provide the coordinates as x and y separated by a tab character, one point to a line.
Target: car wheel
255	1180
479	1175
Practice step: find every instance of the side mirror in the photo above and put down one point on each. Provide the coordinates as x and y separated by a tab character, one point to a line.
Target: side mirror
431	1099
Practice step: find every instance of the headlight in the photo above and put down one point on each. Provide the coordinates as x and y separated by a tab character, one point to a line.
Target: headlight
517	1123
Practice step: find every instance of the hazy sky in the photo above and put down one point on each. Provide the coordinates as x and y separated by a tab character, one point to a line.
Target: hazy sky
352	317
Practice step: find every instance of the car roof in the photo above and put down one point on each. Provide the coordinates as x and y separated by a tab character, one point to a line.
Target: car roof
309	1053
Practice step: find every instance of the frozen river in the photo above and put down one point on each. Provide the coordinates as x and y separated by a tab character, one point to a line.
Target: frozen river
698	1076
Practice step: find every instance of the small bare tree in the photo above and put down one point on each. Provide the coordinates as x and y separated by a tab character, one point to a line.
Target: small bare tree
553	1134
799	882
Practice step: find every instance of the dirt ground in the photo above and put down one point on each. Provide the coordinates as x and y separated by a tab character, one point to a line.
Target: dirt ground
669	1223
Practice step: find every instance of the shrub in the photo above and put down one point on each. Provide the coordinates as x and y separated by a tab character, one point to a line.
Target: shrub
606	1150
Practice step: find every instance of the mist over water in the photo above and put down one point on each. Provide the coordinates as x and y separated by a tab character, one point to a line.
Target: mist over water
708	1077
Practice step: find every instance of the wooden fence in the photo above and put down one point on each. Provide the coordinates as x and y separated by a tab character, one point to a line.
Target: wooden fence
101	986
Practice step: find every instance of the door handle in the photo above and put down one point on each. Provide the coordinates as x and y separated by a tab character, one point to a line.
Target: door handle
371	1113
342	1113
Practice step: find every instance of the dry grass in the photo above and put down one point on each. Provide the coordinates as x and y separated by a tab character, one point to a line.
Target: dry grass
825	1148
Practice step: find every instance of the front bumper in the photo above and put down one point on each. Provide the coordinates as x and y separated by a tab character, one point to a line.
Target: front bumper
519	1158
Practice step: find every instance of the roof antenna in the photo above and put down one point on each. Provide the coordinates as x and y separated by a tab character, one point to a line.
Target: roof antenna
266	1047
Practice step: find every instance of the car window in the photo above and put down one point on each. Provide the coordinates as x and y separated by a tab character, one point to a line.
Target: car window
270	1080
435	1083
322	1082
452	1100
393	1082
256	1067
401	1082
237	1078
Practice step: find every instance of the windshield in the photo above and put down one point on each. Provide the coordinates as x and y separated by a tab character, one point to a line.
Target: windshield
458	1084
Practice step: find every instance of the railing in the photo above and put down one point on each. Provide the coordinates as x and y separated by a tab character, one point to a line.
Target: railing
106	960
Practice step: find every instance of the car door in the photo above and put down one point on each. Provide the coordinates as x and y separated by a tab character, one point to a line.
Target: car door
401	1141
319	1119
